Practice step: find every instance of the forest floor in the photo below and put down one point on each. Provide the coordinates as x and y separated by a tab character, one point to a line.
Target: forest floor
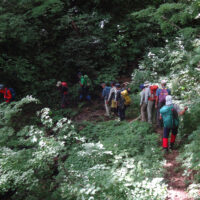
177	187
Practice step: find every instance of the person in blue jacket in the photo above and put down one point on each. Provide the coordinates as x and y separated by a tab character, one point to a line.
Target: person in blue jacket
105	95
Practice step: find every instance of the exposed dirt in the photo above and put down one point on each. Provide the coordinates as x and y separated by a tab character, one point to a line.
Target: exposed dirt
174	176
94	112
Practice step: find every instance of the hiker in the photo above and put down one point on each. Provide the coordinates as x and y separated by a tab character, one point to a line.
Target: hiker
161	94
169	113
105	95
144	101
121	107
112	98
85	84
63	87
9	93
151	110
125	91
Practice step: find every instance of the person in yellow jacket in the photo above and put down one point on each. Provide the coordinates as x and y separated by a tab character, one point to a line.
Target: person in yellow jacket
123	100
112	98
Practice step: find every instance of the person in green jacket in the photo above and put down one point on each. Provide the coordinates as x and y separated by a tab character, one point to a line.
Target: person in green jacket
85	84
169	113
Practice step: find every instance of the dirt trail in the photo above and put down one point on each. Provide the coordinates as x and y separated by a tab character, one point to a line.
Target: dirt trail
174	176
95	112
174	172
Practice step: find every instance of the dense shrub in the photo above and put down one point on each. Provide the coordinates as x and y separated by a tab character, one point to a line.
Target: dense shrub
48	159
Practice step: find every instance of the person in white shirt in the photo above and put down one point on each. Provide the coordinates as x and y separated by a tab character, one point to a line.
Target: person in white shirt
144	94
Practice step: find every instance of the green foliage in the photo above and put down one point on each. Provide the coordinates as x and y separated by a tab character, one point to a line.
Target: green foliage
28	152
48	159
191	119
115	163
189	158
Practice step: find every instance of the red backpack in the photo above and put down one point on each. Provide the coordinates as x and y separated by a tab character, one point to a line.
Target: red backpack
153	89
64	84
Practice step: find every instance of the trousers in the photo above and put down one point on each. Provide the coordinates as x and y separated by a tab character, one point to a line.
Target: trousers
144	112
166	133
151	111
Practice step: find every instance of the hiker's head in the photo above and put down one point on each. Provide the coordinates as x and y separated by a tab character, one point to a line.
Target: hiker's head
163	83
2	86
168	100
107	84
79	75
123	85
146	84
103	85
117	86
58	84
112	84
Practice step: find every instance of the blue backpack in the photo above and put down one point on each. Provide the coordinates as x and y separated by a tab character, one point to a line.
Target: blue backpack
13	93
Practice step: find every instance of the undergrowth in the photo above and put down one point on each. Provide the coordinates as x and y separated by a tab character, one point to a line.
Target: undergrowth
50	159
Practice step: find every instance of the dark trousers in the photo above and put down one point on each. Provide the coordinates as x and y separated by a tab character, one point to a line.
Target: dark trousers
64	101
84	94
121	112
166	133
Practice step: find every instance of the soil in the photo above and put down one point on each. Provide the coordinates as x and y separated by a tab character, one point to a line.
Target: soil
95	112
174	176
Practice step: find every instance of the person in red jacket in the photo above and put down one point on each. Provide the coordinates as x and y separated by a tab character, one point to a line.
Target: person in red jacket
7	93
63	87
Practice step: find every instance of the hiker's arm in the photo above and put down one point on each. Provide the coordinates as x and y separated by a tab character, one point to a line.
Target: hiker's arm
1	91
142	97
146	95
183	111
110	95
103	93
157	94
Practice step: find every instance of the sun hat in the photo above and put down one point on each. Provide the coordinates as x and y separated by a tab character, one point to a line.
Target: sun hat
168	100
1	86
146	83
58	84
117	85
163	82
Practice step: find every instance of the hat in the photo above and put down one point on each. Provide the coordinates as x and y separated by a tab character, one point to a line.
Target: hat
117	85
163	82
146	83
58	84
1	86
168	100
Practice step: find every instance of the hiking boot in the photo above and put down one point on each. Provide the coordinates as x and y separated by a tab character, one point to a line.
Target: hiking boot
171	146
165	150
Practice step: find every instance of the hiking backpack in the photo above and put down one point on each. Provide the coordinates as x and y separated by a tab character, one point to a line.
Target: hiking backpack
126	97
86	81
153	90
107	92
168	116
64	84
163	94
13	93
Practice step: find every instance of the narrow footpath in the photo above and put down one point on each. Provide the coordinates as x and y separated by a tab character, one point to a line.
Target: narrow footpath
177	188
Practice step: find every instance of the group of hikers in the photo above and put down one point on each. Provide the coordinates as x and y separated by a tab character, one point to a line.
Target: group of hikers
155	103
157	106
116	99
85	84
